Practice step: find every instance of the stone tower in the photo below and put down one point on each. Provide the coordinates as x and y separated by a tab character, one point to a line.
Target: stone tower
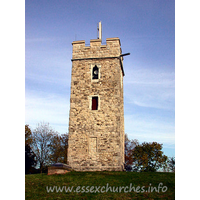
96	121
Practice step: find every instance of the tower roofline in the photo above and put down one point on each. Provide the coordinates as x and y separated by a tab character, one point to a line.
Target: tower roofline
108	40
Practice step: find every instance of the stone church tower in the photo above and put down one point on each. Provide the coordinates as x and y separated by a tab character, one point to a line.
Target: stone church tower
96	121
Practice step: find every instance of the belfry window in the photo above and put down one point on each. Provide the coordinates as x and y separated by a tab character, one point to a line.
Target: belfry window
94	103
95	72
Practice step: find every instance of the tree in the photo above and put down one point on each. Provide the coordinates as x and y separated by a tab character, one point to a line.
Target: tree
59	146
55	148
30	161
29	154
129	148
41	145
148	157
171	163
64	144
28	135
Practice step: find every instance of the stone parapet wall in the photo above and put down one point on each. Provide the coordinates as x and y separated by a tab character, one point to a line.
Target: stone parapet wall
96	49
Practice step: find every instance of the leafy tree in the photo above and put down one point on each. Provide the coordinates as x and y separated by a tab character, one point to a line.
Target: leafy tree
28	135
171	163
59	146
29	154
148	157
41	145
129	148
55	148
64	144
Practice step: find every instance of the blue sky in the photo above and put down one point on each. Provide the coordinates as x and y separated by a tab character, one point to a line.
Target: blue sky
146	29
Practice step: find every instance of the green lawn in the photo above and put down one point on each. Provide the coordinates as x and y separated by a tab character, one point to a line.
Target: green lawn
127	185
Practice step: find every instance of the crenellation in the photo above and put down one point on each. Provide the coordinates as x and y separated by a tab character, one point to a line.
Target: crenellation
96	49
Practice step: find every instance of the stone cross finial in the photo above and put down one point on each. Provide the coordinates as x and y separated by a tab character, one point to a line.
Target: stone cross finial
100	30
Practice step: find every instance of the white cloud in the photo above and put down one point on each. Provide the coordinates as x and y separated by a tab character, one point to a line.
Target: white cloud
150	128
49	108
49	79
150	88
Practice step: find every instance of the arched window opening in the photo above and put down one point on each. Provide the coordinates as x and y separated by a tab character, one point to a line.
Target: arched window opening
95	72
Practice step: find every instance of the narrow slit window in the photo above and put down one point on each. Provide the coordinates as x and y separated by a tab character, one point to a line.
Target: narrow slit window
94	103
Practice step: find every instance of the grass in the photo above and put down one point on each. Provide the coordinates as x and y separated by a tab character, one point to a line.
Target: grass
35	185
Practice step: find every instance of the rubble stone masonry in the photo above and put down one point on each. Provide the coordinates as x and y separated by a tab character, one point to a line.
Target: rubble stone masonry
96	137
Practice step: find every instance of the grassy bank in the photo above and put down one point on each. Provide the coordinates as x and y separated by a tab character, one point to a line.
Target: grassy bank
126	185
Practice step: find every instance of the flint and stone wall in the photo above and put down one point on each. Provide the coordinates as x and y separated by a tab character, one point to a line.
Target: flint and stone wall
96	137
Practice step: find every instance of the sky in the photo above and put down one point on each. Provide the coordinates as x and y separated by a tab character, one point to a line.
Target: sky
146	30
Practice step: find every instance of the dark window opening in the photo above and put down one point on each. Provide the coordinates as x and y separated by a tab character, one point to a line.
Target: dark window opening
95	72
94	103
